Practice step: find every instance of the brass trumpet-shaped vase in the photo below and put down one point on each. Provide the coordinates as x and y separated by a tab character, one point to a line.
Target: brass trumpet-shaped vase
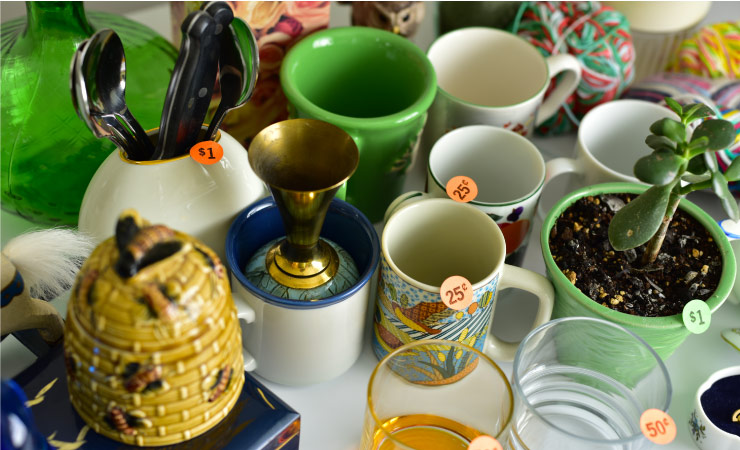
304	162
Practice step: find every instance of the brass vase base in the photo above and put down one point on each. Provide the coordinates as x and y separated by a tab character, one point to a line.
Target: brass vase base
257	272
302	274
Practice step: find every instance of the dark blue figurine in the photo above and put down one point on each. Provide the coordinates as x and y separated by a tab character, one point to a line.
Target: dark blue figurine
17	429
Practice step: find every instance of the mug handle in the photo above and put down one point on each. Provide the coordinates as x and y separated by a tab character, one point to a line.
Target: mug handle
555	65
526	280
553	168
246	313
402	200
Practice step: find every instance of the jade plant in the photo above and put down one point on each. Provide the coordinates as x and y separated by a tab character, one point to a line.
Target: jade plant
681	162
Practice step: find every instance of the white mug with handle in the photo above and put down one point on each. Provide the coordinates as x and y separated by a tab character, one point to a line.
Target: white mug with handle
611	138
424	243
301	342
508	171
493	77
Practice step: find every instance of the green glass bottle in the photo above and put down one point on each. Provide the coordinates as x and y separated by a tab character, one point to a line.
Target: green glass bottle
48	154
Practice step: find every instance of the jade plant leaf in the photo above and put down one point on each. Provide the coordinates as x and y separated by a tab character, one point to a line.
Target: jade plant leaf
669	128
719	132
674	105
697	166
733	171
637	222
658	168
729	204
659	143
699	143
697	111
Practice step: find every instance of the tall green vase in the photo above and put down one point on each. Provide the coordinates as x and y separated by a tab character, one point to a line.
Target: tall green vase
48	154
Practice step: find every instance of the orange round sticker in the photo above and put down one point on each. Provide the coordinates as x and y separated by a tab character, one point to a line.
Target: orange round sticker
484	443
658	426
462	189
456	292
207	152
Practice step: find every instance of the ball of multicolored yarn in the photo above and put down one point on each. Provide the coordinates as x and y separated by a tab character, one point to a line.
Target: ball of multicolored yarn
656	87
598	36
714	52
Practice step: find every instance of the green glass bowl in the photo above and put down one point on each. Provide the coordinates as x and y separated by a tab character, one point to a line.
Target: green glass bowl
664	334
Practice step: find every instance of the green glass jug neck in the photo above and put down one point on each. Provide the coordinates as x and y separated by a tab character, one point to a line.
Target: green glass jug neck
70	16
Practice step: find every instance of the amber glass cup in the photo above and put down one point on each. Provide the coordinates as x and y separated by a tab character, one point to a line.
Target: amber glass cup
465	395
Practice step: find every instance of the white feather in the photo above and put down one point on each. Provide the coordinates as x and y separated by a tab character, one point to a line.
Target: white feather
48	260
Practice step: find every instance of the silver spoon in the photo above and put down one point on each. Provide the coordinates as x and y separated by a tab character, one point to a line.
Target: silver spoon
238	66
104	72
99	126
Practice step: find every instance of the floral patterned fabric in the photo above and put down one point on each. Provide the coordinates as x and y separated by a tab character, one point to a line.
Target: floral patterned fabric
277	26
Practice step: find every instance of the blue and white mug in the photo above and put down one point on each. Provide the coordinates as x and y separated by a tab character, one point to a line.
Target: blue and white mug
301	342
424	242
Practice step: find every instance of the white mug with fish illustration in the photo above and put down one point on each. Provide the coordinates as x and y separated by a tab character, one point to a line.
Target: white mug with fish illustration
428	240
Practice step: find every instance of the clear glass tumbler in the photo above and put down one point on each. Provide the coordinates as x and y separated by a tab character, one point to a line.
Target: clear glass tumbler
463	395
583	383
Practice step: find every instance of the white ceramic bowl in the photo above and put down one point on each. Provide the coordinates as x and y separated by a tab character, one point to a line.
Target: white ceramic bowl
706	435
658	29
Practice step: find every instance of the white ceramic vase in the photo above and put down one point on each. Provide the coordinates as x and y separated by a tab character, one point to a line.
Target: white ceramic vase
197	199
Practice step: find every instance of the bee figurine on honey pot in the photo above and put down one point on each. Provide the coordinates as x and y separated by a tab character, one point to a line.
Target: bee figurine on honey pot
152	338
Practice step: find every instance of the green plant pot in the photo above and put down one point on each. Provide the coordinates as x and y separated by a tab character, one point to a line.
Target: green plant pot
664	334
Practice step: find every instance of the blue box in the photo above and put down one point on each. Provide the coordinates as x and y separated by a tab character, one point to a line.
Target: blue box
259	419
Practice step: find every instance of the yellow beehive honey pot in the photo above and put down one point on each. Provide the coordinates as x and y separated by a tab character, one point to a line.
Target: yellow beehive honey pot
152	339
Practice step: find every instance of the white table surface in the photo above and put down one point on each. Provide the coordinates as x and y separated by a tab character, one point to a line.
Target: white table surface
333	412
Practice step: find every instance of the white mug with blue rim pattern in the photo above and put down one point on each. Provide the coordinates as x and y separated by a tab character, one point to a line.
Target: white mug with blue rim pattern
427	240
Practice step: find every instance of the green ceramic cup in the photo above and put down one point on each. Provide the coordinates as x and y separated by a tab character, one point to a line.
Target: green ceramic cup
664	334
375	85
